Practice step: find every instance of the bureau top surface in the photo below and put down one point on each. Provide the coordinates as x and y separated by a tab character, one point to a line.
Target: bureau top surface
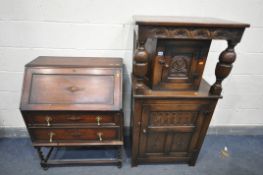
51	61
187	21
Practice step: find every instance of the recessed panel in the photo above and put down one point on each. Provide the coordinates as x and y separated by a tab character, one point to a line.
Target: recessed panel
155	142
69	89
181	142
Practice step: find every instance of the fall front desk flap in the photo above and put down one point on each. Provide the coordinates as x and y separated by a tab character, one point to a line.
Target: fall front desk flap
72	83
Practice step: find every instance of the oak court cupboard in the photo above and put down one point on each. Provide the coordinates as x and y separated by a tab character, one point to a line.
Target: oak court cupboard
171	104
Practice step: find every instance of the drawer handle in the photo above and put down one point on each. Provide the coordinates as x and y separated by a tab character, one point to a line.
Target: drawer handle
99	134
48	120
74	118
98	119
51	135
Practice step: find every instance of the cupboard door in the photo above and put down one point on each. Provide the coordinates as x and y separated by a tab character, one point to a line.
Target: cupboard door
170	130
179	64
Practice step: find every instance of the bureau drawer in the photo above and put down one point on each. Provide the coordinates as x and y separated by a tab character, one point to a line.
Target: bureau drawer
57	118
70	134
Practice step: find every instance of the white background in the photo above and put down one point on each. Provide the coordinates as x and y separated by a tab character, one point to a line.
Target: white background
30	28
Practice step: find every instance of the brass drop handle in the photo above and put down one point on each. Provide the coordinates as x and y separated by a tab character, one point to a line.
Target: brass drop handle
98	119
48	120
51	135
99	134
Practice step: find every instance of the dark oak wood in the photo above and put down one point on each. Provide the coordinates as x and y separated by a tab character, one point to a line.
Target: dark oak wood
73	102
172	105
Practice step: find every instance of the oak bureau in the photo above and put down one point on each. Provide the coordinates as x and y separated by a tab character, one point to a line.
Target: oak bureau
73	102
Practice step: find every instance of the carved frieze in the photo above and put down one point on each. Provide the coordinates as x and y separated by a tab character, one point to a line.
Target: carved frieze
172	118
192	33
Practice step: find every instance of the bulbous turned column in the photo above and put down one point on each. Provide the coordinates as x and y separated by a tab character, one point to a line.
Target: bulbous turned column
223	67
140	67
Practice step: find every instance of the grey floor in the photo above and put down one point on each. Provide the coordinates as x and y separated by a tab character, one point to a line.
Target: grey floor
245	157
